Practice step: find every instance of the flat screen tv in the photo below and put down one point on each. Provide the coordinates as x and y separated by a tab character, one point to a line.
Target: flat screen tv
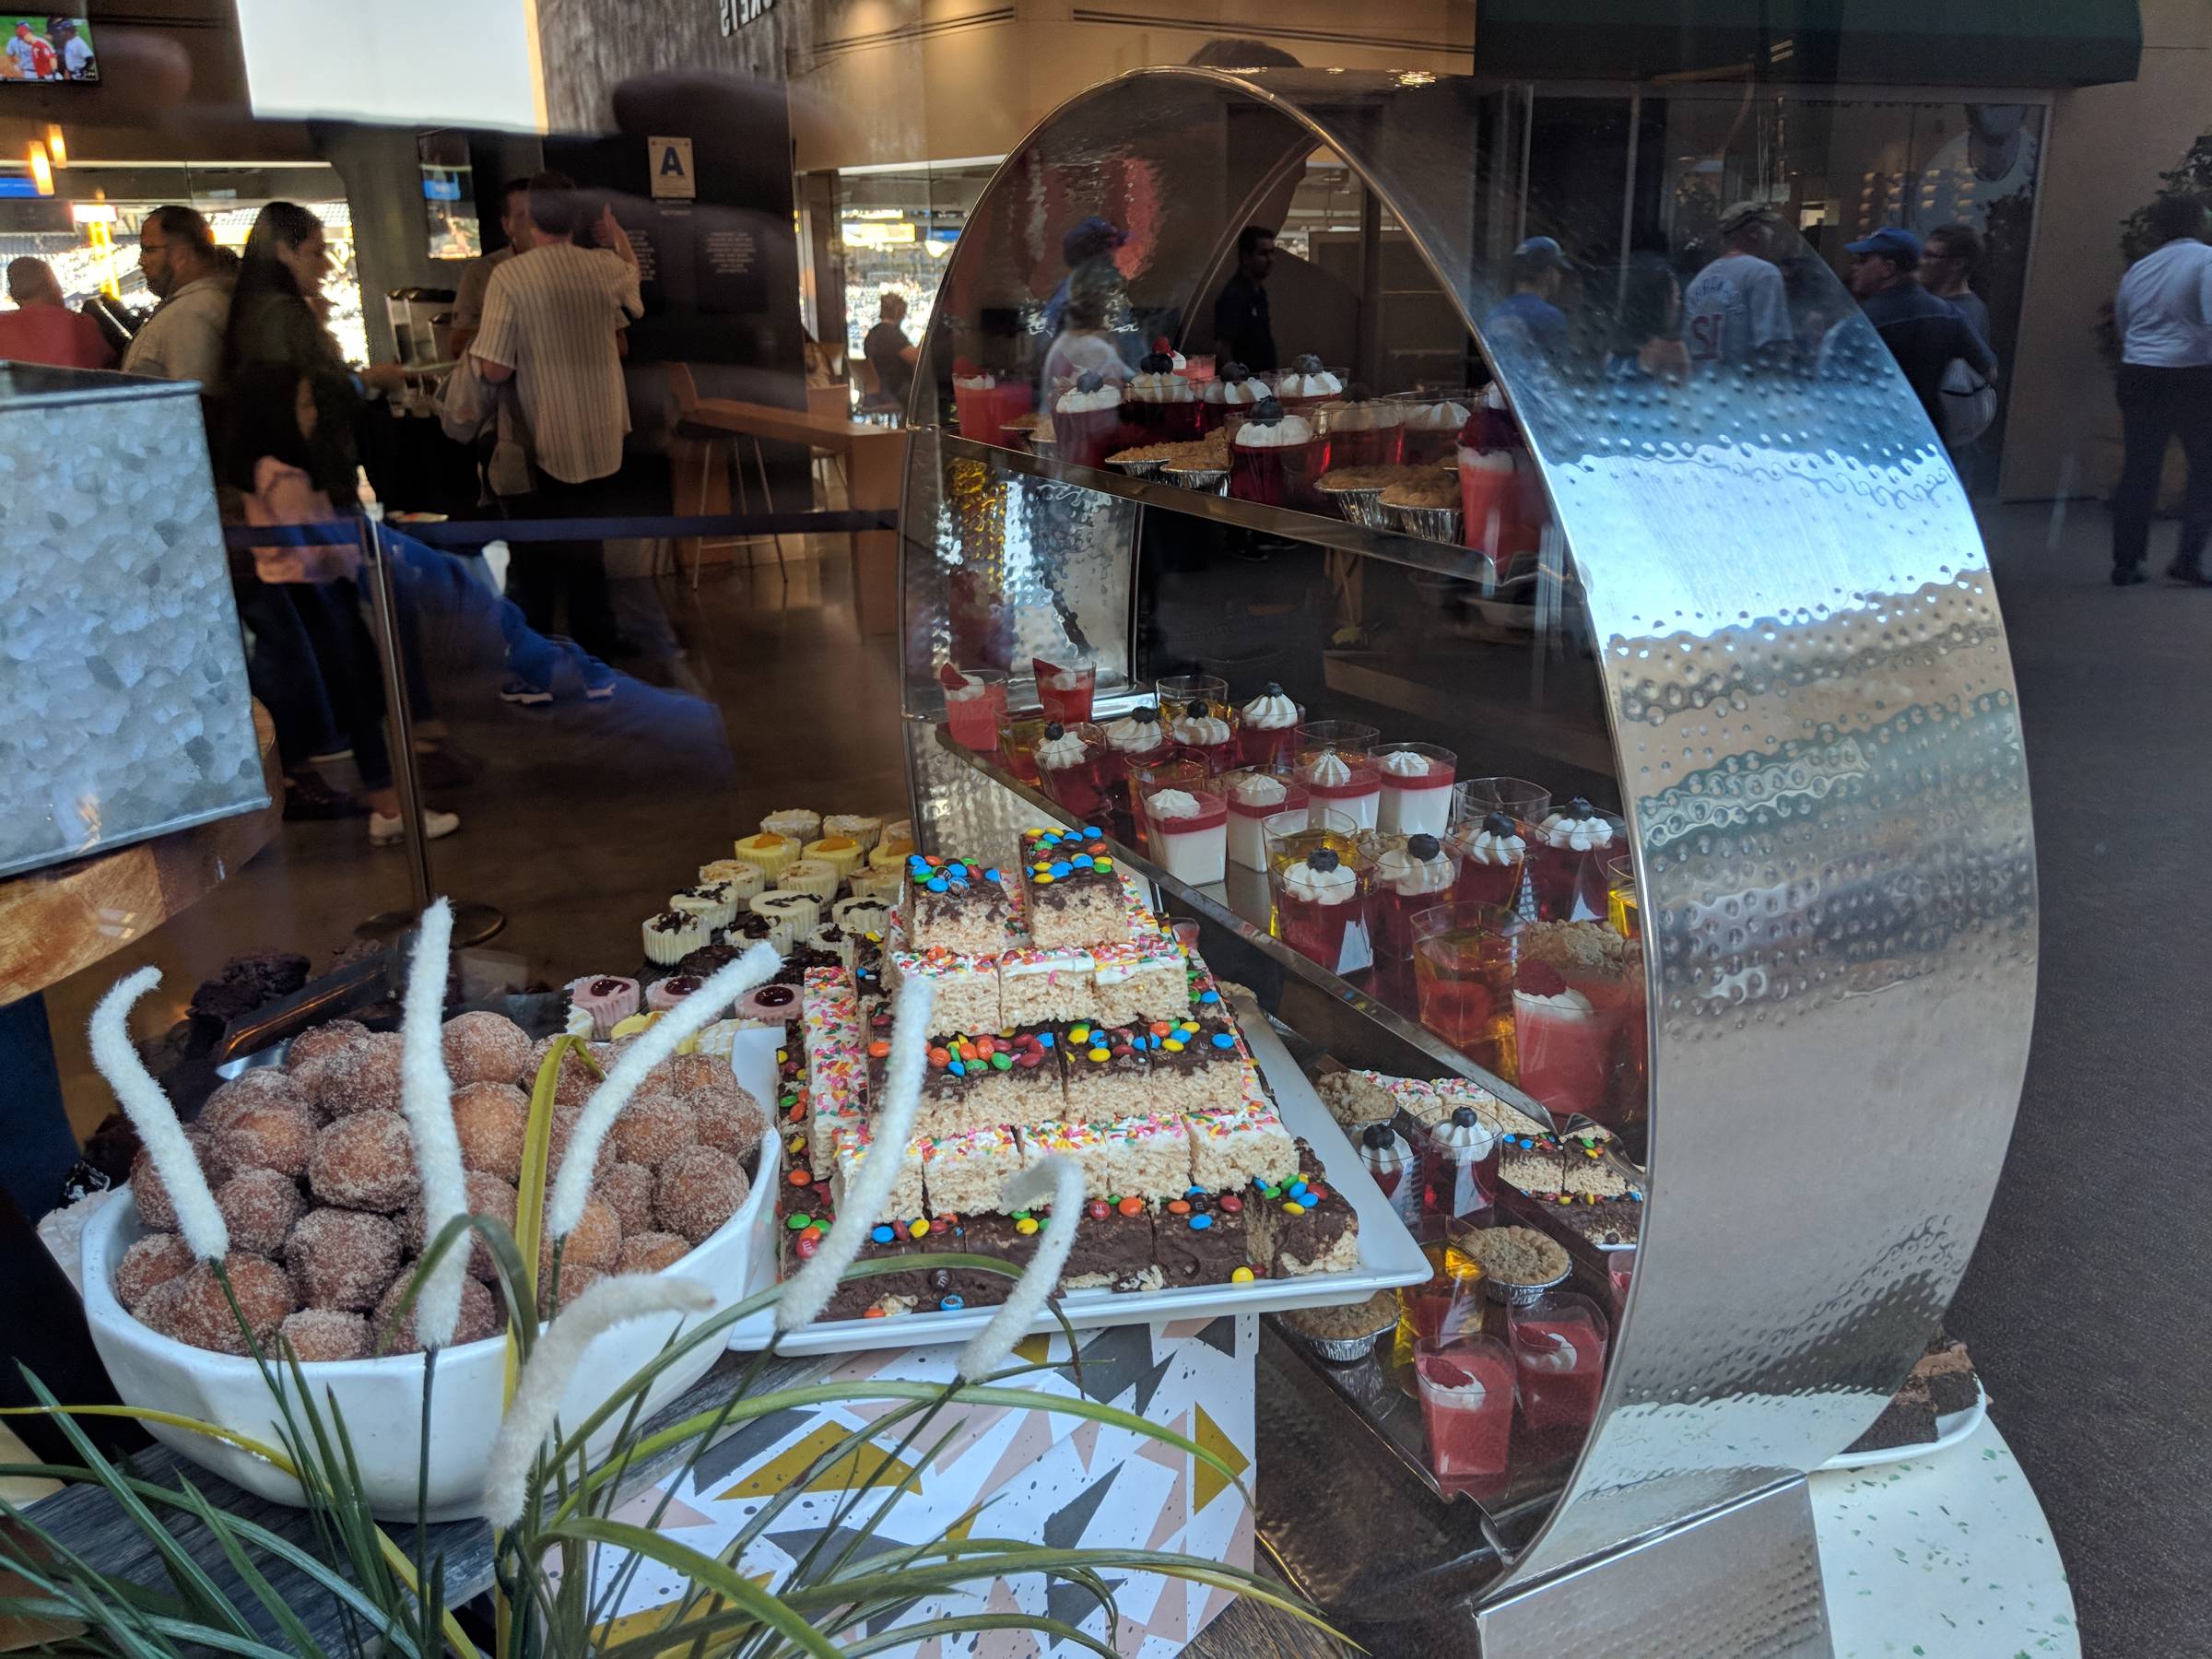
43	47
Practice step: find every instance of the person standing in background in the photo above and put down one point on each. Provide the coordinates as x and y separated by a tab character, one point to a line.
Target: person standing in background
1243	333
32	53
1095	237
1540	271
468	299
76	60
1922	333
553	324
890	354
1738	308
2163	316
1946	260
193	279
42	329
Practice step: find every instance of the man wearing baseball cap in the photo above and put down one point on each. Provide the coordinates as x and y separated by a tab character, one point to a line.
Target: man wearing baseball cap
1924	333
1736	310
1540	271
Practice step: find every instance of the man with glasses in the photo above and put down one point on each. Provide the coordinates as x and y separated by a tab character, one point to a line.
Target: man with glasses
1946	260
1924	333
193	278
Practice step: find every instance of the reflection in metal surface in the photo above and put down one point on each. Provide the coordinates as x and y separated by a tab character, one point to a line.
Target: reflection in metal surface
1817	742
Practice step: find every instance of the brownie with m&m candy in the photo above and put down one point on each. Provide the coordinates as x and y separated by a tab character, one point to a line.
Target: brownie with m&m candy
1304	1225
1074	889
1105	1072
885	1292
1115	1248
955	904
1202	1239
1195	1065
1009	1239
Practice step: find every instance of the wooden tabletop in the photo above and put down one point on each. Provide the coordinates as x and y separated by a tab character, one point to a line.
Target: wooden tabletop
56	920
793	426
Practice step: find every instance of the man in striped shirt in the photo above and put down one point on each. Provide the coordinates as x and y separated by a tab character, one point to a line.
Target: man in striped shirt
553	324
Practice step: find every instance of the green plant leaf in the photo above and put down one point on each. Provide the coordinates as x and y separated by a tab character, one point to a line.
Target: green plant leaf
264	1591
726	1581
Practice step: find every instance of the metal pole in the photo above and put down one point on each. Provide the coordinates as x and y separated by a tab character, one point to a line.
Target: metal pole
473	923
384	607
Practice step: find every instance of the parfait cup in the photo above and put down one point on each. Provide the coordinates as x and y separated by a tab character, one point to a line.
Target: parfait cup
1254	795
1318	877
1187	828
1463	968
1333	763
975	710
1467	1386
1072	770
1567	859
1558	1343
1418	795
1019	733
1155	773
1275	744
1066	693
1621	907
1405	885
1206	733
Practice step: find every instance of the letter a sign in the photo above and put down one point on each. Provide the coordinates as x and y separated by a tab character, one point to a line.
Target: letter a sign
668	164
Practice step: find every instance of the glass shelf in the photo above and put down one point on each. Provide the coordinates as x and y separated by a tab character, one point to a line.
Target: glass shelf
1442	558
1243	904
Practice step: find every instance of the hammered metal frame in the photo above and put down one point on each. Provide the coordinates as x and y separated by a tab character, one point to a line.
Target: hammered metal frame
1817	740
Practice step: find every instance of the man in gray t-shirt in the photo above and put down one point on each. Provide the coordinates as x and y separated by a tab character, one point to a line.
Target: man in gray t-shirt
1946	259
1735	309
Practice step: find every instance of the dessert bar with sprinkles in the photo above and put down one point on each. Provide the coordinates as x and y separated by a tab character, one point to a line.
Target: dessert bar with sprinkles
955	904
1075	895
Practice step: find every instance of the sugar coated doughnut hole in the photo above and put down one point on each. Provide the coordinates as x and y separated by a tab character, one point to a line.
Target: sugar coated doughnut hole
259	1207
366	1161
488	1196
266	1136
324	1333
651	1252
151	1262
342	1259
626	1189
595	1243
492	1119
192	1308
483	1047
479	1317
652	1128
699	1189
364	1078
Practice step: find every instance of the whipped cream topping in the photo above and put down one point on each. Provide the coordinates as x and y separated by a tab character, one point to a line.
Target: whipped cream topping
1435	417
1568	1001
1271	711
1075	401
1257	789
1405	763
1162	388
1315	384
1329	769
1583	835
1235	391
1401	871
974	382
966	691
1062	752
1487	847
1275	434
1471	460
1559	1357
1200	730
1174	804
1133	736
1067	679
1333	886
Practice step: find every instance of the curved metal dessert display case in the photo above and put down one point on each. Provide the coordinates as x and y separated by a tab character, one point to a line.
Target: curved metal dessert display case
1765	576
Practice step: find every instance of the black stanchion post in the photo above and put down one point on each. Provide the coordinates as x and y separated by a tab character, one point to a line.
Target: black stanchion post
473	924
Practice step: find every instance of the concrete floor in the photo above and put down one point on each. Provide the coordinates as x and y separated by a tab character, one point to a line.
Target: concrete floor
2089	1276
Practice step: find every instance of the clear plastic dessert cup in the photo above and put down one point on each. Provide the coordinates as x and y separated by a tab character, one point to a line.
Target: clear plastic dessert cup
1190	831
1416	788
1206	733
1066	693
1411	874
1333	764
1071	768
1317	877
1567	859
976	706
985	405
1467	1385
1254	795
1176	692
1559	1344
1462	966
1268	728
1019	733
1148	778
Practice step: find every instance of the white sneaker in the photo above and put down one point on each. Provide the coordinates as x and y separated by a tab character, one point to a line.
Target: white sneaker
436	826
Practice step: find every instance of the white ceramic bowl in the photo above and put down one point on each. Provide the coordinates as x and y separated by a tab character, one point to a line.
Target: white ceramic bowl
381	1399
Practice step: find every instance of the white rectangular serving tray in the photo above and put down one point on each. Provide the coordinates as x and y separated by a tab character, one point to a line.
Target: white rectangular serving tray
1388	1255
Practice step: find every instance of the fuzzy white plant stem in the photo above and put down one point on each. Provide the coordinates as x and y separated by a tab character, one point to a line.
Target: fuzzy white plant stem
198	1216
537	1393
1061	1178
811	1287
657	1042
426	1099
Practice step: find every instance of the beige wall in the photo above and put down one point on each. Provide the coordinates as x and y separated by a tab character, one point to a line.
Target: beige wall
917	80
2107	145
